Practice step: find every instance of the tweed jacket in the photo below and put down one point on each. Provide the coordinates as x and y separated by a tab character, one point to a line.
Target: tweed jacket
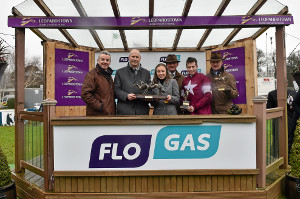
221	101
98	93
179	79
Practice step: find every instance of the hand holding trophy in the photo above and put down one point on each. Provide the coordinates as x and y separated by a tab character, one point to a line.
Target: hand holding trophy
220	84
185	103
146	87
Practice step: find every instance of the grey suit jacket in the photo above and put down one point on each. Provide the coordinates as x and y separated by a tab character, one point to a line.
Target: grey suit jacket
162	108
124	84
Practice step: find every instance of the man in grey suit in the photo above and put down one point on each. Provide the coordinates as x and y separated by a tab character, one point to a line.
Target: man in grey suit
125	91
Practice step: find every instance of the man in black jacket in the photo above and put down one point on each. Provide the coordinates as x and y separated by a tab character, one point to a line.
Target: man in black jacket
272	103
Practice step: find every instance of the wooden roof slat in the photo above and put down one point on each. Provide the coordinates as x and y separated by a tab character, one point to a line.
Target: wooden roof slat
115	7
36	31
83	13
151	14
285	10
41	4
151	8
185	13
176	40
252	11
116	11
207	32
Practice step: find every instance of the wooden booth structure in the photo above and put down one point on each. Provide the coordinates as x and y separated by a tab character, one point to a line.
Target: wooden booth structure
56	149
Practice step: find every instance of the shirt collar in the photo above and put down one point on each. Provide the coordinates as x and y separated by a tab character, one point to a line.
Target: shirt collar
138	68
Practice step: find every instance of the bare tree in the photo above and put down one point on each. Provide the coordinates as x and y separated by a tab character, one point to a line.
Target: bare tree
261	62
3	53
3	65
292	65
33	72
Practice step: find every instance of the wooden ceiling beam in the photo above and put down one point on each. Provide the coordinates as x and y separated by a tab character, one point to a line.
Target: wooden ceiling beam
285	10
252	11
151	14
83	13
116	11
36	31
41	4
207	32
185	13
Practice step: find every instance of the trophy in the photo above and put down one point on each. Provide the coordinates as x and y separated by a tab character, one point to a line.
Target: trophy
185	103
146	87
220	84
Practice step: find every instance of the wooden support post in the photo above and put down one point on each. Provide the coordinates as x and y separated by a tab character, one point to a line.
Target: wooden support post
49	113
282	92
19	96
260	112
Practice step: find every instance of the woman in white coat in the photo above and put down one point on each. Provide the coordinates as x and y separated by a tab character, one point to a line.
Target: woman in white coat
170	90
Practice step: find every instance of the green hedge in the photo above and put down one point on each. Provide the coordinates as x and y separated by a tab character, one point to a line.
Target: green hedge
5	178
11	103
295	153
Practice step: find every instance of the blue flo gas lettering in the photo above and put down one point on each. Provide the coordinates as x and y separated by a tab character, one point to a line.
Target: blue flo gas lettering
105	149
123	59
172	142
120	151
187	142
162	59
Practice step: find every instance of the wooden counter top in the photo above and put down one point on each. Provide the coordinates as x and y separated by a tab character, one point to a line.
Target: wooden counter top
153	119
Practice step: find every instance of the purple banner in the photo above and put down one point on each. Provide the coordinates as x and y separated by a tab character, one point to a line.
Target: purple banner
120	151
70	69
234	63
132	22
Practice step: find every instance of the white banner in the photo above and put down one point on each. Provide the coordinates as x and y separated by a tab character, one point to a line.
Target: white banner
155	147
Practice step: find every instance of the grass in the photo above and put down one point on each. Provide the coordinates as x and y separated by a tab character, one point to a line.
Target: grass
7	142
272	145
33	141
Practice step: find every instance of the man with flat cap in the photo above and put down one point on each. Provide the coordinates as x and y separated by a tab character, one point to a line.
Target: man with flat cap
223	85
172	64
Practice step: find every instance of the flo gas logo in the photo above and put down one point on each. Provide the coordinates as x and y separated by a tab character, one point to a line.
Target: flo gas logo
187	142
123	59
163	59
186	73
120	151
